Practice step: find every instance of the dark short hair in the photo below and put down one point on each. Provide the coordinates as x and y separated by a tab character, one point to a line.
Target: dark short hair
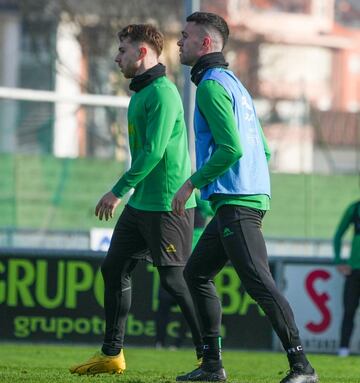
211	20
146	33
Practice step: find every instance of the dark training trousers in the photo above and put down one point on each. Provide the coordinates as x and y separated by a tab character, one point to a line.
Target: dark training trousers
166	239
234	235
162	319
351	299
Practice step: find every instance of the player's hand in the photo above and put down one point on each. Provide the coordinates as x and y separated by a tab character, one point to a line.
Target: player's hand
344	269
106	206
180	198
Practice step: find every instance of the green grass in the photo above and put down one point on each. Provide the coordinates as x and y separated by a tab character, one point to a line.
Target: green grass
49	363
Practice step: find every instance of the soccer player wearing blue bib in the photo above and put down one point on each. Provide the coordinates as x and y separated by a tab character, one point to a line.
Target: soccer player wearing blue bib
232	173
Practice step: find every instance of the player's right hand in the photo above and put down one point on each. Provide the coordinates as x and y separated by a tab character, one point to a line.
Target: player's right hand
107	205
180	198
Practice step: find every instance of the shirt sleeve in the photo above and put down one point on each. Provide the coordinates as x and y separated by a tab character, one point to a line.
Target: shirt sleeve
216	107
343	225
161	118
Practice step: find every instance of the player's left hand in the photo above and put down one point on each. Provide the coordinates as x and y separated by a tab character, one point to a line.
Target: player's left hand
344	269
180	198
107	205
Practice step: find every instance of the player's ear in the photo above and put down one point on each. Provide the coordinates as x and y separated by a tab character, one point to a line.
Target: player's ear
207	42
142	53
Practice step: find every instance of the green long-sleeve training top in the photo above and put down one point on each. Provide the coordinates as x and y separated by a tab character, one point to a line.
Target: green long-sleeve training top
159	149
345	222
216	106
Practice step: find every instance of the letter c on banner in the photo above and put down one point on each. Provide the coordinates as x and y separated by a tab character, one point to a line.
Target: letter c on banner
319	300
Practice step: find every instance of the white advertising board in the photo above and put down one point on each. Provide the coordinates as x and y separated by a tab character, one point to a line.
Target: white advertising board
100	239
315	294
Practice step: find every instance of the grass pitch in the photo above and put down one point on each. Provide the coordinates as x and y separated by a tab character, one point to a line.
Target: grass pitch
49	363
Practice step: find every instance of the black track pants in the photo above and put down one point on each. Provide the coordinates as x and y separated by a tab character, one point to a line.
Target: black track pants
350	302
117	300
234	235
162	237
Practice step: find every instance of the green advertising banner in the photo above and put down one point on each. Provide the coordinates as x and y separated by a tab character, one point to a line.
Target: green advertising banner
58	297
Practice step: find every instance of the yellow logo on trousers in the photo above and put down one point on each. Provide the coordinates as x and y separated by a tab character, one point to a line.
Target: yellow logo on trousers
170	248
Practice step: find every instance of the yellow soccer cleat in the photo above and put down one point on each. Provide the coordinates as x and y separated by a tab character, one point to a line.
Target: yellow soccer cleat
101	364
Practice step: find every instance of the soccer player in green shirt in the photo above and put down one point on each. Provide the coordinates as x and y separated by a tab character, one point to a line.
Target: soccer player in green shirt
147	226
350	268
232	173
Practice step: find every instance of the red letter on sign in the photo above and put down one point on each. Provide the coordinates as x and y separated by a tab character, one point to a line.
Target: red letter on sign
319	300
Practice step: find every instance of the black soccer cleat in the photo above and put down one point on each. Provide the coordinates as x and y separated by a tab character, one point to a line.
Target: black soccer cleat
300	374
200	375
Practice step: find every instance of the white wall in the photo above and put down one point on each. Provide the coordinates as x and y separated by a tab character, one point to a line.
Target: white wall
66	139
296	71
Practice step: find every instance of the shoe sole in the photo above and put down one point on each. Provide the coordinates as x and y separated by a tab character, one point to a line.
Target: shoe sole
210	378
203	380
309	379
94	370
93	373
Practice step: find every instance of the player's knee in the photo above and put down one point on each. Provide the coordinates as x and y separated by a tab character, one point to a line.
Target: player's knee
189	276
165	283
109	272
257	292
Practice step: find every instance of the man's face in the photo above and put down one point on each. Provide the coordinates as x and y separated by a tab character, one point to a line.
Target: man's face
128	58
191	44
